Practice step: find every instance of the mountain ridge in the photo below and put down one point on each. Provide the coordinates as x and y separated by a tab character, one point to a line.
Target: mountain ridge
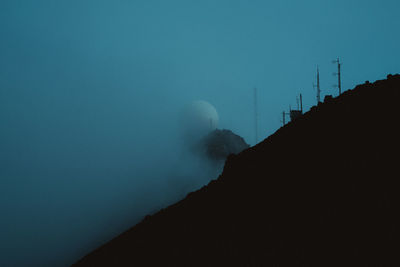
319	191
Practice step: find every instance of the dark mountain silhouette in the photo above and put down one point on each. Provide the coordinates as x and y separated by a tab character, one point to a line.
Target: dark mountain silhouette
321	191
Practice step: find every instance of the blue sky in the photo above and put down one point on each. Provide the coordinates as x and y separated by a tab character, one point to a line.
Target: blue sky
90	93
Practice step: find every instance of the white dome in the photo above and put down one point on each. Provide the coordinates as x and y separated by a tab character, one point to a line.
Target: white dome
199	118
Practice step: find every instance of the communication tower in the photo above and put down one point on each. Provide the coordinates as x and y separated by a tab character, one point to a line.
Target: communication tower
339	65
255	116
318	87
296	113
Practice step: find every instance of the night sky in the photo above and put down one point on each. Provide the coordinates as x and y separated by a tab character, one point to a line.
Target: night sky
91	91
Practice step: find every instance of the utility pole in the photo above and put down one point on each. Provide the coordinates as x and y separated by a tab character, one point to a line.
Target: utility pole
294	114
255	115
337	61
284	114
299	103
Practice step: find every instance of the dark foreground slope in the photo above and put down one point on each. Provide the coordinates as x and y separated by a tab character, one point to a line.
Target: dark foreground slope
320	191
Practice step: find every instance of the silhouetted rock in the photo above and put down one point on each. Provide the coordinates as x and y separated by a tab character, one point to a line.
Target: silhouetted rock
320	191
328	98
219	144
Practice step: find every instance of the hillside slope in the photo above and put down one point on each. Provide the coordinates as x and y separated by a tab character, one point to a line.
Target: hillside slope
320	191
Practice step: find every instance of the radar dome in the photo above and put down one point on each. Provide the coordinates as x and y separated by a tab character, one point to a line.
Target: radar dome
199	118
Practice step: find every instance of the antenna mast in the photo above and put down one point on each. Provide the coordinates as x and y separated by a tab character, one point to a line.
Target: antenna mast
339	75
318	88
255	115
301	104
284	114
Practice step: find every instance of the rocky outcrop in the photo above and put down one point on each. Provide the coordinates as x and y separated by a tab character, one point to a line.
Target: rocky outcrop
219	144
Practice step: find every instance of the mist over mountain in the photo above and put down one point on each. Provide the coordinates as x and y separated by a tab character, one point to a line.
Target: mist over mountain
321	191
201	161
91	94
